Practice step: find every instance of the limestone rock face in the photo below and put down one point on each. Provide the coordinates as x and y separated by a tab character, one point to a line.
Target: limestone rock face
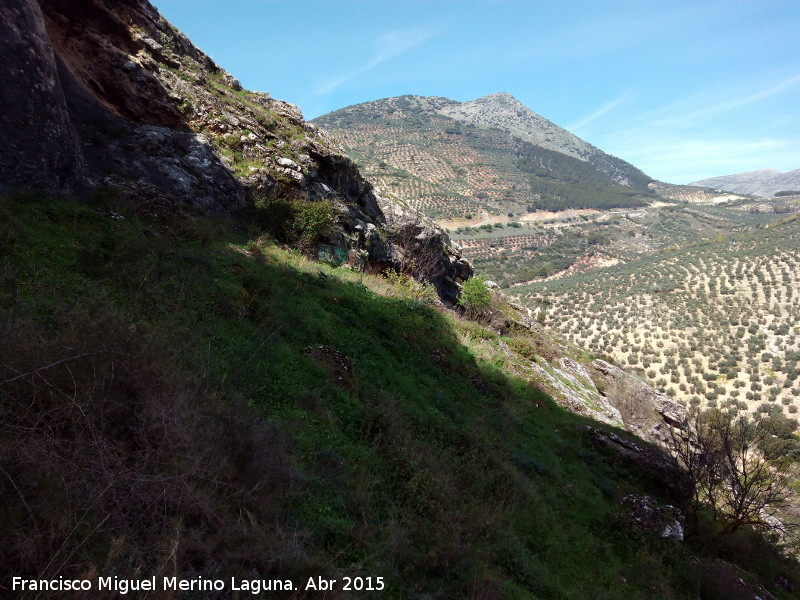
96	93
608	394
570	385
645	411
38	143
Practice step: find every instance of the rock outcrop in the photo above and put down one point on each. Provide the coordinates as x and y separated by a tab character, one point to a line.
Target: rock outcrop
38	143
570	384
95	93
645	411
606	393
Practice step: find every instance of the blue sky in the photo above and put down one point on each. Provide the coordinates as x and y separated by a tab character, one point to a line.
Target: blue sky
683	90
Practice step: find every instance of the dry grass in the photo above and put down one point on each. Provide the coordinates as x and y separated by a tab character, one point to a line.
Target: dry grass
109	451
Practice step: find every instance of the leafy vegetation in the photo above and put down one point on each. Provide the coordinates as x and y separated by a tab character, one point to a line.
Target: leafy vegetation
475	296
293	221
560	182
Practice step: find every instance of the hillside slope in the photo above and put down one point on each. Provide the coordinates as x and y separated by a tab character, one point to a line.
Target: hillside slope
203	404
113	97
222	359
493	154
765	183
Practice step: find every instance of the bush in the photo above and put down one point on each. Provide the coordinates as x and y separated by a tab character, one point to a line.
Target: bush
311	220
475	296
294	221
422	291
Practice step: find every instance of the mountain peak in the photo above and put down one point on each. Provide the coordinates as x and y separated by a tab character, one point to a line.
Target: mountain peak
502	110
503	97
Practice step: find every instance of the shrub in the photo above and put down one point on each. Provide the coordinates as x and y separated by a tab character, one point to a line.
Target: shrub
422	291
293	221
311	220
475	296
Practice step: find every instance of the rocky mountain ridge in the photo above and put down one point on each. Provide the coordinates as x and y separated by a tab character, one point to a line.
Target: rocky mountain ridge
765	183
492	155
96	94
502	110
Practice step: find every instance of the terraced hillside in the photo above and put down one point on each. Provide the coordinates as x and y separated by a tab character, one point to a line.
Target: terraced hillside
514	252
492	155
712	324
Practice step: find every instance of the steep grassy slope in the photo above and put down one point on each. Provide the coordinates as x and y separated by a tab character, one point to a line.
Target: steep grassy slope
712	323
187	398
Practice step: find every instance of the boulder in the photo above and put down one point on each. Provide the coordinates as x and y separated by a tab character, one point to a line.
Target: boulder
643	514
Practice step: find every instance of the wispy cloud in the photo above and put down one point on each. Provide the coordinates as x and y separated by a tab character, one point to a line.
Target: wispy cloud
712	132
387	46
682	160
705	105
604	109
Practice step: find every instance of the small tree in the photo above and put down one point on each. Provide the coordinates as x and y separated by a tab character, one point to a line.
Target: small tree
475	296
740	470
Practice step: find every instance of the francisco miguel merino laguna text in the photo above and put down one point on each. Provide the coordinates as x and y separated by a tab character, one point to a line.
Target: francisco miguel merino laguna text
198	584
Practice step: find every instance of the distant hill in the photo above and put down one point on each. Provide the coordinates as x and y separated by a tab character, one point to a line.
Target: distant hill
493	154
765	183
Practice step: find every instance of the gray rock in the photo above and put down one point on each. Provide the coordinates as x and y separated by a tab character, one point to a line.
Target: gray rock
288	163
152	44
570	385
645	411
38	143
231	82
644	515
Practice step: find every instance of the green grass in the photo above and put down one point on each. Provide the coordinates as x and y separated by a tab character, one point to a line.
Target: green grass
403	449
